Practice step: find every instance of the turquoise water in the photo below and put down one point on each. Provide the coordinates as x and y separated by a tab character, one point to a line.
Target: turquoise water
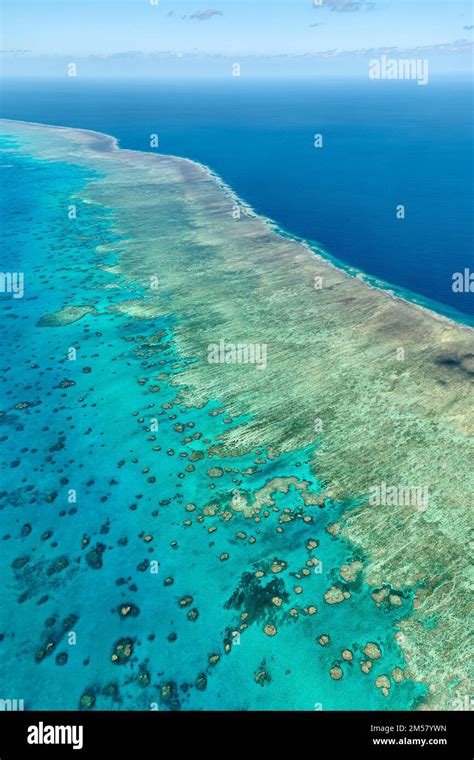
69	565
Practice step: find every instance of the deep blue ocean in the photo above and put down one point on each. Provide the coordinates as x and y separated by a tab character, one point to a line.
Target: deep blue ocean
384	144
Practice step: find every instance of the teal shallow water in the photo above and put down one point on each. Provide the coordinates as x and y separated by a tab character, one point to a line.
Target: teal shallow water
94	436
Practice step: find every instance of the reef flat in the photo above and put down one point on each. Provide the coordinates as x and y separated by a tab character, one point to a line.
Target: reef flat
374	390
66	316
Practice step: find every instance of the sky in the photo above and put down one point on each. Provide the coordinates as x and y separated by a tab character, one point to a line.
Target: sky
76	29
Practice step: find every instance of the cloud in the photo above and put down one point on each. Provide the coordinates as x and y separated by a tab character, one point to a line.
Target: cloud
205	15
350	6
456	46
